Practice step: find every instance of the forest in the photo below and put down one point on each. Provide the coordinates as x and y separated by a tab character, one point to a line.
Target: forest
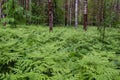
59	39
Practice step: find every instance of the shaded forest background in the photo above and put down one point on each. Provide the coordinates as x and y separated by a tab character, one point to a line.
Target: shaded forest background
37	12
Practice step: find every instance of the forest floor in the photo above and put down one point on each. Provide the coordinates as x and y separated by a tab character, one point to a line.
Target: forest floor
34	53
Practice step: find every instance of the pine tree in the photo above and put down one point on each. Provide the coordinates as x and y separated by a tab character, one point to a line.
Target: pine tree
70	12
76	13
66	12
0	9
85	14
50	14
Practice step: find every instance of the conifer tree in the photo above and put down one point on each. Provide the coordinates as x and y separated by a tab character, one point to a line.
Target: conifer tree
50	14
85	14
66	12
76	13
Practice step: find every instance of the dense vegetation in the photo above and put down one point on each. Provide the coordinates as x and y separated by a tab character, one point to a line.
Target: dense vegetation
60	12
32	53
29	51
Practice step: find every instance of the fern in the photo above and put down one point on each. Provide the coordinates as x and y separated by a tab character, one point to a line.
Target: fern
32	53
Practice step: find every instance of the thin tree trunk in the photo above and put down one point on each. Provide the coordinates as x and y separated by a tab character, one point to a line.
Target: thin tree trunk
30	9
98	14
13	3
55	19
66	12
70	13
27	10
76	13
117	10
0	9
85	14
27	5
19	2
50	15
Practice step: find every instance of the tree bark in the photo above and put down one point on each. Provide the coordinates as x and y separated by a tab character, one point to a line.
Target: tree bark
0	9
27	5
30	9
66	12
27	10
50	15
70	13
76	13
85	14
117	10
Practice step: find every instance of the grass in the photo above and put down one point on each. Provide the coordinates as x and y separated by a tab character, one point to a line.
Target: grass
34	53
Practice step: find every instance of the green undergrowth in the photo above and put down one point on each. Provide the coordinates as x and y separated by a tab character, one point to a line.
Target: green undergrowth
34	53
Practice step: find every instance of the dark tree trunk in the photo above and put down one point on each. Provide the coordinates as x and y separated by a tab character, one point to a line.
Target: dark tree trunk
66	12
0	9
27	9
117	10
70	13
101	11
27	5
50	3
19	2
85	14
30	10
13	6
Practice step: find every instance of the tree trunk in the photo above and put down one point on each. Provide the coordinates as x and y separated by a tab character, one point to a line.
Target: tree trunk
76	13
27	10
70	13
27	5
13	6
117	10
30	9
50	15
0	9
66	12
85	14
55	19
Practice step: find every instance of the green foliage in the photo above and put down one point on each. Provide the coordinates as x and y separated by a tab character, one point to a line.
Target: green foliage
38	13
108	18
58	13
14	13
32	53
